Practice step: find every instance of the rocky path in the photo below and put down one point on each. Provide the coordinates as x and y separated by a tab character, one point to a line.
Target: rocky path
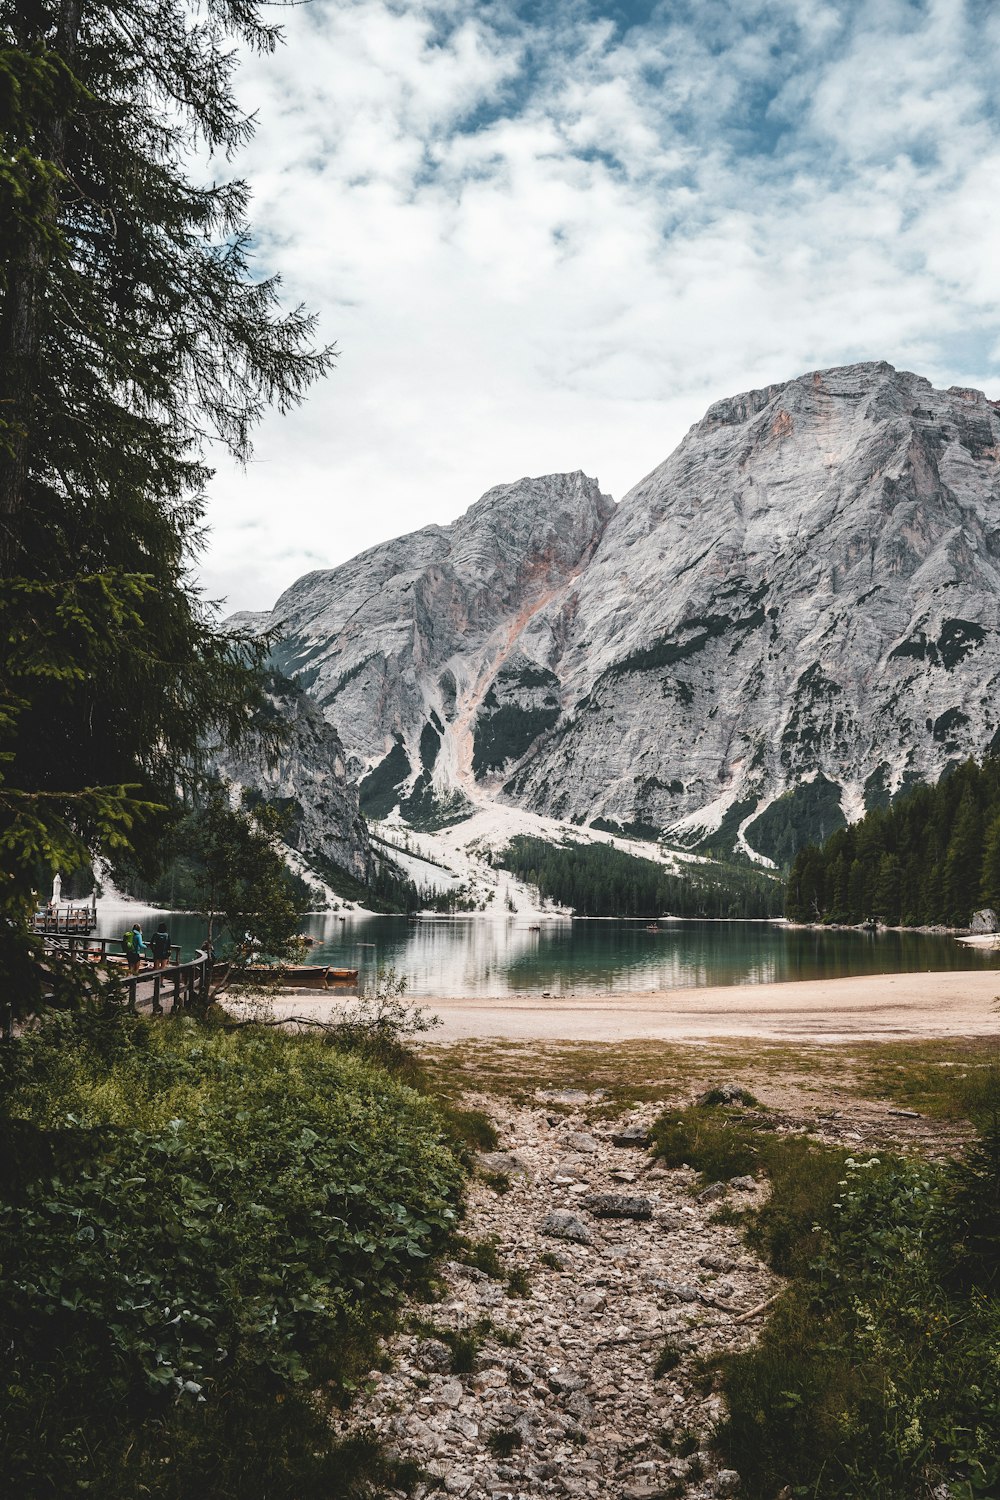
545	1382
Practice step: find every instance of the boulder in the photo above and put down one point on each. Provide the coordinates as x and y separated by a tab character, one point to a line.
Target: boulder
579	1140
636	1136
507	1162
712	1193
561	1225
618	1206
984	920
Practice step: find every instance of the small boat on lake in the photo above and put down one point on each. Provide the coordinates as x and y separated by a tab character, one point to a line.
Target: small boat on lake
300	976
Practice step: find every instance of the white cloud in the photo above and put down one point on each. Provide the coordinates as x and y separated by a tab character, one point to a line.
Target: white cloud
550	244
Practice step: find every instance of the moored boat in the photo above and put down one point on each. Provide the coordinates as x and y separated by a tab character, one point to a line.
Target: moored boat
300	976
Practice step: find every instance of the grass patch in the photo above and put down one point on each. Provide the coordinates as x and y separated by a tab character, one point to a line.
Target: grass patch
726	1214
942	1077
471	1128
482	1255
550	1260
715	1144
518	1282
498	1181
503	1441
668	1359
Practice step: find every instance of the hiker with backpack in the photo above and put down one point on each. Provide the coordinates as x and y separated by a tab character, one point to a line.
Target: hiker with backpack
134	948
161	947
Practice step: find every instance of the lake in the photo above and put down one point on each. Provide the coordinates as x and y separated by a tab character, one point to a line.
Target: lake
493	956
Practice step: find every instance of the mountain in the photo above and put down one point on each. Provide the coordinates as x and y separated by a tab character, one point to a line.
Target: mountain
309	782
791	618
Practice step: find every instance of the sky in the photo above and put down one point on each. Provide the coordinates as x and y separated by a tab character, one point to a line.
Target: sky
545	235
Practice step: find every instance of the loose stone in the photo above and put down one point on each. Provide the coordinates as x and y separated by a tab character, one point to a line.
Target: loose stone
565	1226
579	1140
618	1206
712	1193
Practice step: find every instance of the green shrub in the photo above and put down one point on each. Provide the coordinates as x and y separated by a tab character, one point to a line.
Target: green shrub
503	1441
198	1229
875	1377
519	1282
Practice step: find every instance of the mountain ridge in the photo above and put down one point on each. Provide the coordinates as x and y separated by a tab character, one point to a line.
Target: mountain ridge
796	610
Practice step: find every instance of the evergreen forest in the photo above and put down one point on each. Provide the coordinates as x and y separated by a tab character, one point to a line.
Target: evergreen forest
598	880
932	856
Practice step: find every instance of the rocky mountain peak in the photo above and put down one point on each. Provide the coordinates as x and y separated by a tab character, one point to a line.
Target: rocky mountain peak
793	616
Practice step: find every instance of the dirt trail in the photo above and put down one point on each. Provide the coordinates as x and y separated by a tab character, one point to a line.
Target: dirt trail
564	1399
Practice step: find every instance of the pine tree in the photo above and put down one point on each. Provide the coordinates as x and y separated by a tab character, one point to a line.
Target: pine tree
132	329
989	890
963	862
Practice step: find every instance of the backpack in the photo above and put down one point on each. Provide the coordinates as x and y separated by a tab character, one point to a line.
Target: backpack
128	941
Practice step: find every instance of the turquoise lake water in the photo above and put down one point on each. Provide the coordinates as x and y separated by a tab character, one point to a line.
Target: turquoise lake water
493	956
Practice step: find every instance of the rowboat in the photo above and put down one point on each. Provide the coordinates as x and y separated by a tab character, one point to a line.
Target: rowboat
300	976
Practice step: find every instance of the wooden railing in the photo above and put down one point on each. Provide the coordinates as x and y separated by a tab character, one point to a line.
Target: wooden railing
185	984
60	919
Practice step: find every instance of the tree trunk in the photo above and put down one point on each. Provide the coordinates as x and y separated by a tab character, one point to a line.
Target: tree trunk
21	321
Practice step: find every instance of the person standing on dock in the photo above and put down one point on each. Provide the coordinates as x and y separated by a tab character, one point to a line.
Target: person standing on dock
134	947
161	947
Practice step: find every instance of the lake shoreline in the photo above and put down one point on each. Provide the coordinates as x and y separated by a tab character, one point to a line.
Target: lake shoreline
867	1007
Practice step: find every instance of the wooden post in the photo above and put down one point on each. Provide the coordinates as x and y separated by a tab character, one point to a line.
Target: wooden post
177	990
157	1007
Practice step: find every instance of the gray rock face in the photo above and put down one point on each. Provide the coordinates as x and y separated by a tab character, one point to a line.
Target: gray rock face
636	1136
802	602
310	779
411	648
803	596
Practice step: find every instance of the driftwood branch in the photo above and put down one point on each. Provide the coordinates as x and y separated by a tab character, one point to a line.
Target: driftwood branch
754	1311
656	1338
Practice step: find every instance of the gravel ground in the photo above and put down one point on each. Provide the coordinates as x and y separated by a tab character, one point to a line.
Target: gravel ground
562	1398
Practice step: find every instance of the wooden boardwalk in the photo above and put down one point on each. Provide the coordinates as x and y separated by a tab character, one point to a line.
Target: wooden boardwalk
184	985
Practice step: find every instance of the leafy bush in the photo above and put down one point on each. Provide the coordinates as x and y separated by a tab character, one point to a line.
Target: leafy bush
196	1228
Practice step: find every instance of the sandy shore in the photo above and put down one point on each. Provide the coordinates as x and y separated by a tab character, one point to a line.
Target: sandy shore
868	1008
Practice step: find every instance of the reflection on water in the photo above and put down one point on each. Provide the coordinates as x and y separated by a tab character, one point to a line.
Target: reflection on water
494	956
